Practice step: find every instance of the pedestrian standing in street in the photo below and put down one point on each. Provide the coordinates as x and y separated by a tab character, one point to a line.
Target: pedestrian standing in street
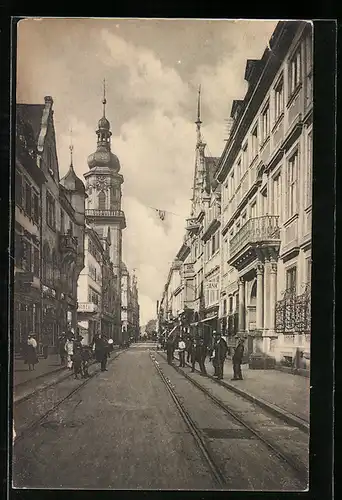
219	355
198	355
31	357
69	348
237	360
169	350
181	351
101	351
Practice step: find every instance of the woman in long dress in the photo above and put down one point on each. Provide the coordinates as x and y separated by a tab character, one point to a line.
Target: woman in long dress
31	357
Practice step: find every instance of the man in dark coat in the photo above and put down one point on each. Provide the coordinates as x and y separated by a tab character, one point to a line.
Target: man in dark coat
198	355
237	360
169	349
101	351
219	355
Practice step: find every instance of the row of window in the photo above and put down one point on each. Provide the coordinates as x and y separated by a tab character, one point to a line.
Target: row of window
261	130
104	201
26	254
283	196
27	197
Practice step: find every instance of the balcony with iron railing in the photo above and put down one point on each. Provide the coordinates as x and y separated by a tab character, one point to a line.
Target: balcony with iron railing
258	231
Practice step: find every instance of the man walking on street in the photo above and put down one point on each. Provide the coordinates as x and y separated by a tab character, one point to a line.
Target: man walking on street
169	350
237	360
219	355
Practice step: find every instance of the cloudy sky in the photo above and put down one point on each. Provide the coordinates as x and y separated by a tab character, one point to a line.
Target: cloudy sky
152	69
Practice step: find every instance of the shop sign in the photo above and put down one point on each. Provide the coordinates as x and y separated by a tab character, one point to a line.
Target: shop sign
212	285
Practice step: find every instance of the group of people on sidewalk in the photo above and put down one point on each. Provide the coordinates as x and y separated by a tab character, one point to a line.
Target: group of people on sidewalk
197	352
76	356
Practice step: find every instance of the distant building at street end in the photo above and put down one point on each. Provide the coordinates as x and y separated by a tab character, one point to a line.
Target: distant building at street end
130	314
54	253
103	205
266	176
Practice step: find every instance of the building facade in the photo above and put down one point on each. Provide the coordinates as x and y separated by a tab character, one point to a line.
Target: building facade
103	205
266	176
130	311
27	233
61	207
89	287
191	294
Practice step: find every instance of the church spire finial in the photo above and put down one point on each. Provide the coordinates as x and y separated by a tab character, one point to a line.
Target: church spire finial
198	122
104	100
71	147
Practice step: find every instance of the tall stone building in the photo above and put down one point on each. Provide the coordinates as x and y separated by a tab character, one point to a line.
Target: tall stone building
266	176
49	229
103	204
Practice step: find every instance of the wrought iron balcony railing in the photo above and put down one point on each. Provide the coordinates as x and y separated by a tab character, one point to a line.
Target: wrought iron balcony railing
255	230
104	213
293	312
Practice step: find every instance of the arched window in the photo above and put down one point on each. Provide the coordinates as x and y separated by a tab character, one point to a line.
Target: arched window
102	201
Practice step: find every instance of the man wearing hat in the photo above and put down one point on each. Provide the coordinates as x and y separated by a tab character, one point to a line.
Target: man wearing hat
219	355
237	359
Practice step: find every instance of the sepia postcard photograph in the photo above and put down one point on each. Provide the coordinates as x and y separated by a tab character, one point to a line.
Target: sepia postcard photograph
162	254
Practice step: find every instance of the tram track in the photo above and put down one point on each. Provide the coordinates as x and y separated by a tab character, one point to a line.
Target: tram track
38	421
297	466
193	428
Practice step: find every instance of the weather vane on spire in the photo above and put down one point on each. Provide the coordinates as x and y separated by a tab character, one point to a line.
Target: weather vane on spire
71	147
104	100
199	105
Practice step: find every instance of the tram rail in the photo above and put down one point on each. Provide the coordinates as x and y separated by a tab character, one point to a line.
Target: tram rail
38	421
297	466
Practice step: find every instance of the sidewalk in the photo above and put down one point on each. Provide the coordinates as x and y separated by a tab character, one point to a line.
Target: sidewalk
22	375
288	392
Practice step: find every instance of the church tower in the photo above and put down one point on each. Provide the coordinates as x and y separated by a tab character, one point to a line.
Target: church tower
103	203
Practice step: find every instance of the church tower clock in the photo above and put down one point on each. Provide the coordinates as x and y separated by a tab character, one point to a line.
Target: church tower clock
103	203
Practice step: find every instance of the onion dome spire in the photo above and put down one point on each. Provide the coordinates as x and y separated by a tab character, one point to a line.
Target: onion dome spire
70	181
103	157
